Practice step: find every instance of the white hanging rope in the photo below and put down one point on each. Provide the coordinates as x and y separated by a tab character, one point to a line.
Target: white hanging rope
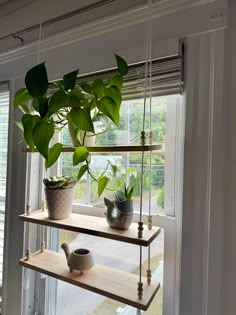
148	62
39	43
140	263
150	101
150	121
141	194
146	72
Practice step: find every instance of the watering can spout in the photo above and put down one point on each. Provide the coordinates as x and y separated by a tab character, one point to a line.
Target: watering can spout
65	247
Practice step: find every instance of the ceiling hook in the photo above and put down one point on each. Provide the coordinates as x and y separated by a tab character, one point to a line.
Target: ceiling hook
15	36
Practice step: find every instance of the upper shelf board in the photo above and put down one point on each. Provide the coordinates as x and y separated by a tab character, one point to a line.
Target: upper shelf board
94	226
110	149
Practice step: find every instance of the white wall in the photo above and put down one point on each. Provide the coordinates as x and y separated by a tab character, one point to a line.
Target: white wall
229	147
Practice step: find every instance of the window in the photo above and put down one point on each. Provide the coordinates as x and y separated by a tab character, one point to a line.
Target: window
4	108
165	114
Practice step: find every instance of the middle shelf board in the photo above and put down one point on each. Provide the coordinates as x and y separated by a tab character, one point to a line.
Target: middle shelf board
113	148
96	226
112	283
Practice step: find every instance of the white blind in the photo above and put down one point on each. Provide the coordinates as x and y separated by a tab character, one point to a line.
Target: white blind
4	112
167	78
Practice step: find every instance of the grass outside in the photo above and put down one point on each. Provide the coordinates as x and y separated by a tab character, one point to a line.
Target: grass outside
108	306
67	236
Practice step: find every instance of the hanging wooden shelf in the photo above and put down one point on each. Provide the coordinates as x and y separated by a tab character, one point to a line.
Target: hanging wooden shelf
94	226
111	149
115	284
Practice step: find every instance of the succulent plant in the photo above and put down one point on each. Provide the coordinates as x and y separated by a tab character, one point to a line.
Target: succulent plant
125	194
61	182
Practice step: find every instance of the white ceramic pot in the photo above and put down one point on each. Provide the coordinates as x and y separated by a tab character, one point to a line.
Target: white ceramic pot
80	259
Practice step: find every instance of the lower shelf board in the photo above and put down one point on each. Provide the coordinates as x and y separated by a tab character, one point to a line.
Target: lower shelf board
112	283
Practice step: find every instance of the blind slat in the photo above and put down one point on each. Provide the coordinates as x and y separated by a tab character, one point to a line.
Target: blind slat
167	78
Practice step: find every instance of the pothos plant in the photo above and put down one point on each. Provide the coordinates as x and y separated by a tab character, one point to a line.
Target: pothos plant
71	103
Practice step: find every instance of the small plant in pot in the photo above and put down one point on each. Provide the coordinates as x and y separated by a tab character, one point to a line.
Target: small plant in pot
59	191
119	213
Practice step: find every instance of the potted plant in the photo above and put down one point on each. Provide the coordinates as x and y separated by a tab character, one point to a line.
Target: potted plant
119	213
78	105
59	191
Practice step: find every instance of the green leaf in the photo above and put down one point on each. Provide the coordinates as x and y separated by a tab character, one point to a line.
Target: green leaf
36	105
114	169
57	101
130	193
36	81
80	155
21	97
25	109
122	65
102	183
114	93
60	84
116	80
53	154
69	80
42	135
86	88
109	107
81	119
43	106
76	98
98	88
29	122
82	170
92	104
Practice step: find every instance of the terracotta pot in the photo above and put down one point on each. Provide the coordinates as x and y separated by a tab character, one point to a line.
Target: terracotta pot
59	202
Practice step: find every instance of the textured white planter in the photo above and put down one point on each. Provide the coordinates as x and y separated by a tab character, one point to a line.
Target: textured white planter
89	140
59	202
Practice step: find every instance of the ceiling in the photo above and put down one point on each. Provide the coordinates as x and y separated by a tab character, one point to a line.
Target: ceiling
4	1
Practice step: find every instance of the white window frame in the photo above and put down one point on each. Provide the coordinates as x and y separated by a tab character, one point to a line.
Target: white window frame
170	220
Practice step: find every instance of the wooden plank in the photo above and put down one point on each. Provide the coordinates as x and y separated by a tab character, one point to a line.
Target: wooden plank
112	283
110	149
94	226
